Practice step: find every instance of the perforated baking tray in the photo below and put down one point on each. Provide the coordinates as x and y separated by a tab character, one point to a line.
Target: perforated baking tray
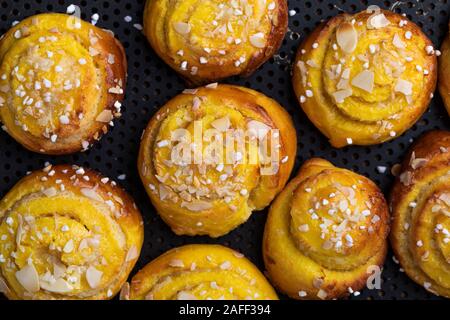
151	83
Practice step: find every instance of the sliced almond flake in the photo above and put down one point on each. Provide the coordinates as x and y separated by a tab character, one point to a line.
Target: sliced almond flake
125	292
343	84
303	71
50	192
341	95
59	270
347	37
258	40
378	21
312	63
105	116
176	263
132	254
364	80
436	208
183	295
182	27
68	248
446	198
93	277
190	91
226	265
57	286
91	194
222	124
197	205
406	178
346	74
322	294
404	86
418	163
164	192
3	286
28	278
397	41
258	128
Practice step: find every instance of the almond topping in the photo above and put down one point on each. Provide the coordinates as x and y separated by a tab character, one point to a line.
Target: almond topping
57	286
183	295
105	116
28	278
257	40
404	86
364	80
347	37
378	21
182	27
132	254
222	124
341	95
91	194
398	42
93	277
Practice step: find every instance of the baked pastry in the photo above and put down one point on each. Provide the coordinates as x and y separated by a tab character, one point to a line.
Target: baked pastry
67	233
200	272
420	203
325	233
444	71
366	78
62	81
206	41
202	158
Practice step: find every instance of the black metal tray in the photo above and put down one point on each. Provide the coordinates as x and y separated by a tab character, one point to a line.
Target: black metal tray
151	83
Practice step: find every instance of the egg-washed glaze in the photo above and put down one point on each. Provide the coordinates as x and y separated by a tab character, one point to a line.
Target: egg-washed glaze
199	272
206	41
366	78
326	233
420	202
67	233
214	197
62	81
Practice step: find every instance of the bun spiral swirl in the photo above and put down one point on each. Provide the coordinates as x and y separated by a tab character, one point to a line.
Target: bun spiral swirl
420	203
324	231
366	78
62	81
200	272
218	192
67	233
208	40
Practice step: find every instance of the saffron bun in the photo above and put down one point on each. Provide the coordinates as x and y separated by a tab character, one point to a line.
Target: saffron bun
205	40
62	81
420	203
215	195
366	78
326	233
67	233
200	272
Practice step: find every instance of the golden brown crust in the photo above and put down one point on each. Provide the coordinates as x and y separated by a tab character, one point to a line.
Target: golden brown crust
67	233
62	83
205	43
326	233
421	223
200	272
398	55
212	196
